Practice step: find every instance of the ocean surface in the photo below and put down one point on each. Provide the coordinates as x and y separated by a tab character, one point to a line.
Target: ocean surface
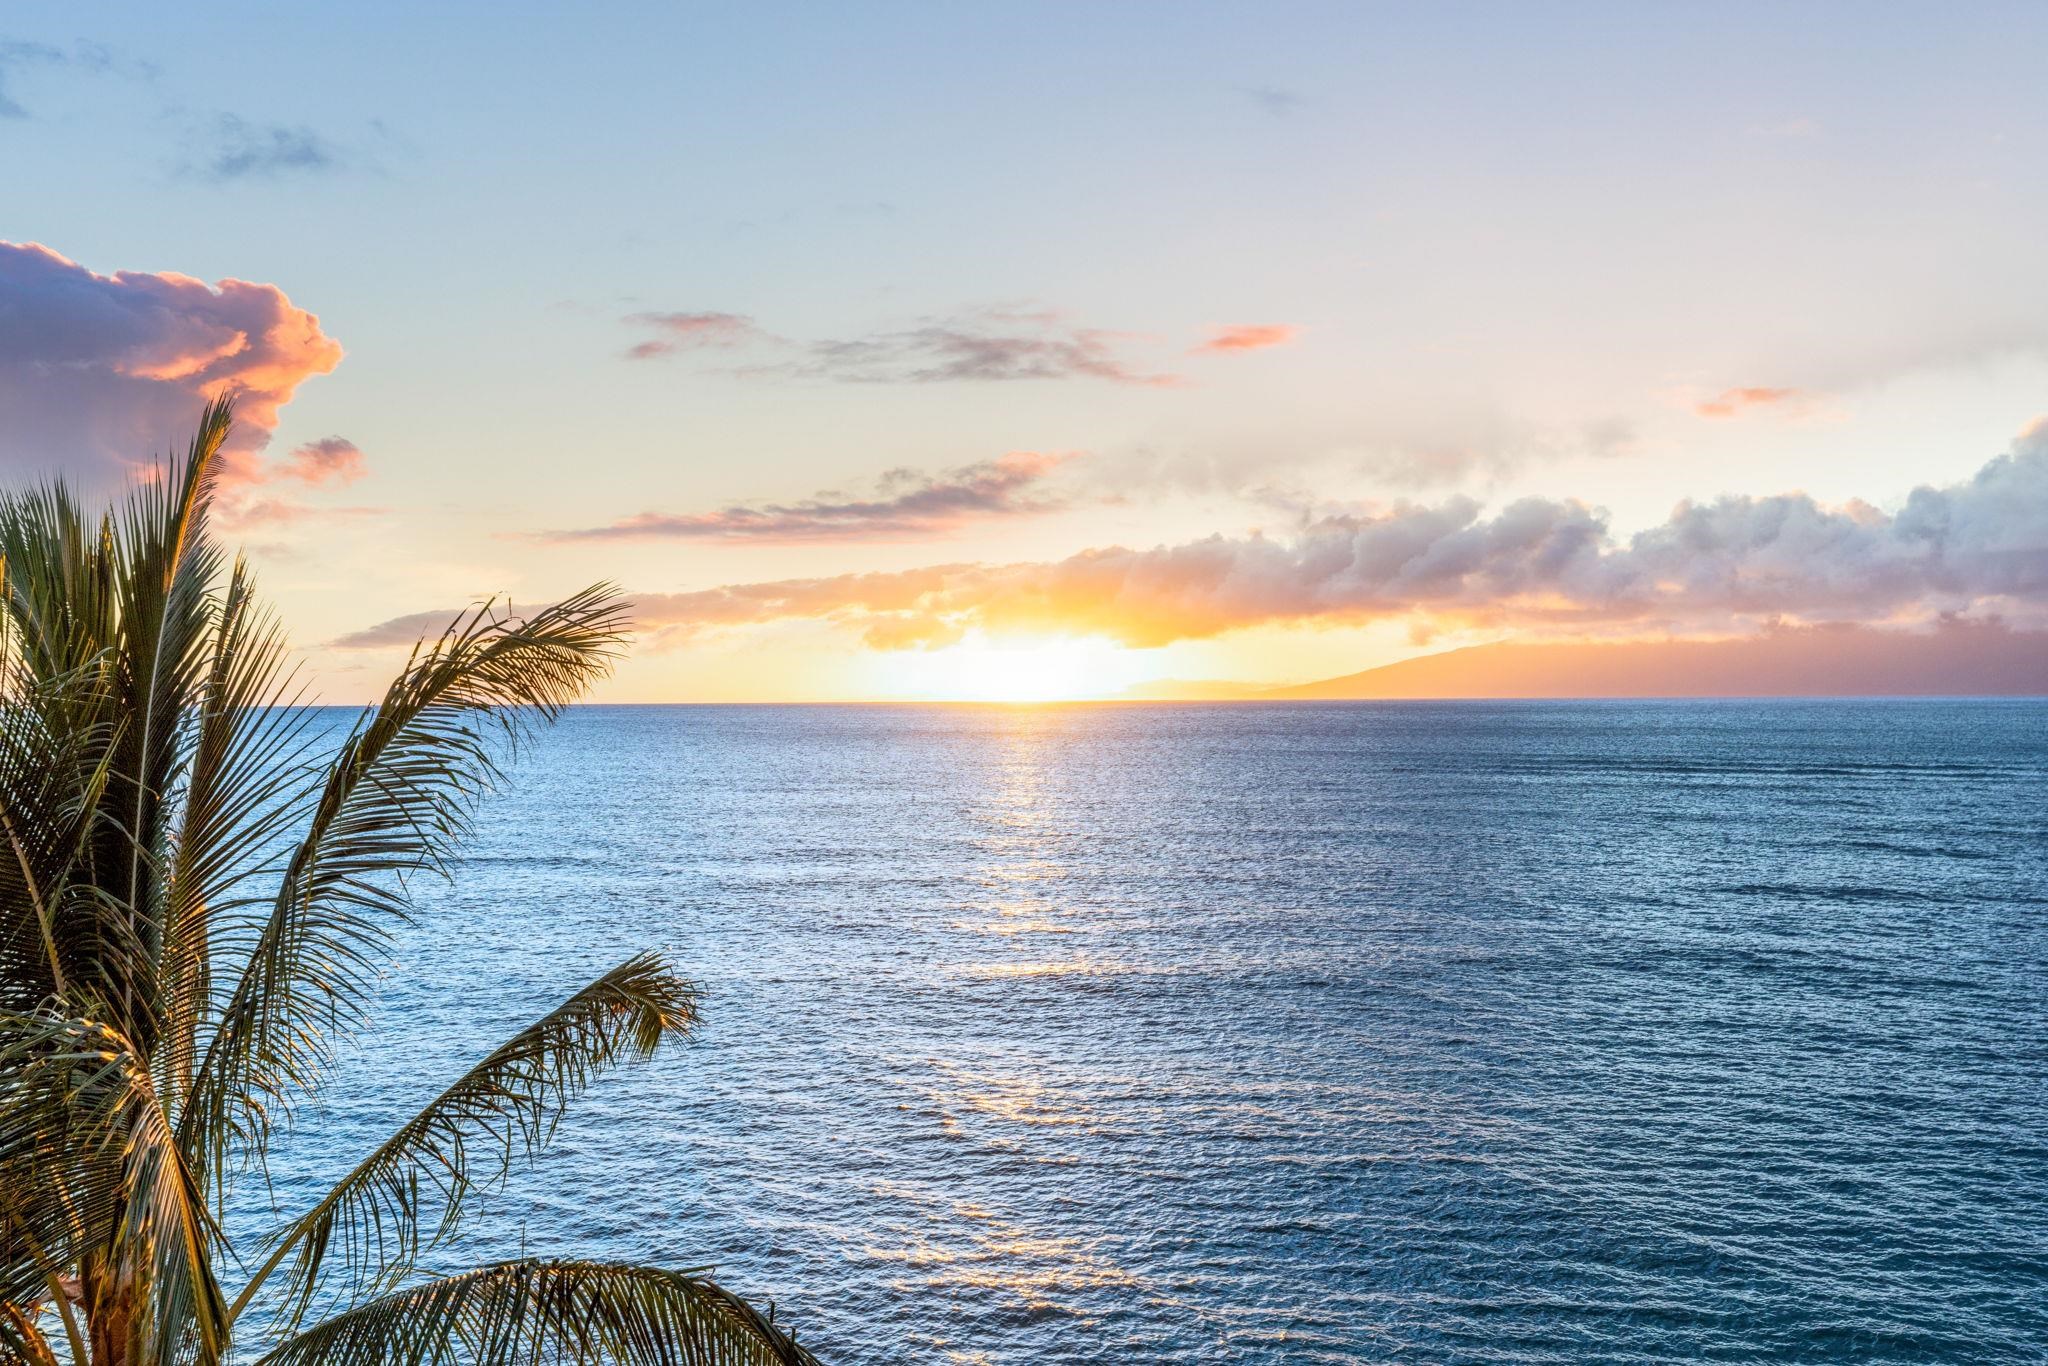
1518	1032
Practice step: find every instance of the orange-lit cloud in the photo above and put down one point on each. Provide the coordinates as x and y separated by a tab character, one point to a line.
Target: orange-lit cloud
1735	402
1246	337
908	504
1976	546
99	372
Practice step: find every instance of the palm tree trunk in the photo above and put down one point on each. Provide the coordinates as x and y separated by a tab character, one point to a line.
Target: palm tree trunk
112	1298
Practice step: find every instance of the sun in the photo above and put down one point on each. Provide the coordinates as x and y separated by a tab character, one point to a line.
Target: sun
1058	669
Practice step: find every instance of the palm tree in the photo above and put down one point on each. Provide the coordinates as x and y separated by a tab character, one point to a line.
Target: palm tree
194	900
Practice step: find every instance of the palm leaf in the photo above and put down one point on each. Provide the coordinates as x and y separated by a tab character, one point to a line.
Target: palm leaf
51	784
245	786
59	731
394	801
20	1340
192	913
60	601
165	567
509	1101
526	1312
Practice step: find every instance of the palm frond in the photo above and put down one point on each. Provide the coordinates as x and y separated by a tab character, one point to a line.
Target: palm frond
21	1342
165	567
526	1312
191	913
245	785
107	641
395	801
467	1136
60	729
60	601
52	934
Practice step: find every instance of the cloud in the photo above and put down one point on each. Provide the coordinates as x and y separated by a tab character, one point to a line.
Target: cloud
225	146
20	56
1274	100
1976	546
1245	337
331	459
691	332
262	513
907	504
246	502
988	345
399	631
944	352
100	372
13	57
1735	402
236	149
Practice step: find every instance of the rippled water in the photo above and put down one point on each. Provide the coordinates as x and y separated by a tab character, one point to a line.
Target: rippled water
1477	1032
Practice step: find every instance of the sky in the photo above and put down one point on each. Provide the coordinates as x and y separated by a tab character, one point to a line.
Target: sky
912	351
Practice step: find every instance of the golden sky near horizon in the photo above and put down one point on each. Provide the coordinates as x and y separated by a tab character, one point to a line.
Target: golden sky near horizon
976	354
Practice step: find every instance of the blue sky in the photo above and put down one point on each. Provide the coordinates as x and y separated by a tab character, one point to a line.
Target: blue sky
1619	254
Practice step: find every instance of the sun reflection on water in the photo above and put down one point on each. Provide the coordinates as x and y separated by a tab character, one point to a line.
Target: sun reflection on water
964	1245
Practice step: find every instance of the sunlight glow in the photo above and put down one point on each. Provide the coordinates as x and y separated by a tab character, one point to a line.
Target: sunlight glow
1043	670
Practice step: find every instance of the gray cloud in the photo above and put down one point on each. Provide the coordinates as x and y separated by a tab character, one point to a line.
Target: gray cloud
222	147
232	148
946	352
1275	100
908	503
987	345
405	631
18	56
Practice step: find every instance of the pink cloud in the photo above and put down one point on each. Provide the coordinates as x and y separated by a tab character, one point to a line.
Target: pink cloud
691	332
1245	337
98	373
276	512
331	459
246	505
1735	402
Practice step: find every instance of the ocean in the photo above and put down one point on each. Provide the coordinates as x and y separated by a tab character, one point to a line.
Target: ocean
1478	1032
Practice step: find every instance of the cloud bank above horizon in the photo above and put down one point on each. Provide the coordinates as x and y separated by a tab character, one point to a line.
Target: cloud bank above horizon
1974	548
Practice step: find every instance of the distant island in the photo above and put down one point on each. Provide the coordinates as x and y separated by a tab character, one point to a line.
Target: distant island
1956	660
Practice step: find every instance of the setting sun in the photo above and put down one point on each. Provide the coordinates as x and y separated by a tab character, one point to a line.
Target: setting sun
1042	670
